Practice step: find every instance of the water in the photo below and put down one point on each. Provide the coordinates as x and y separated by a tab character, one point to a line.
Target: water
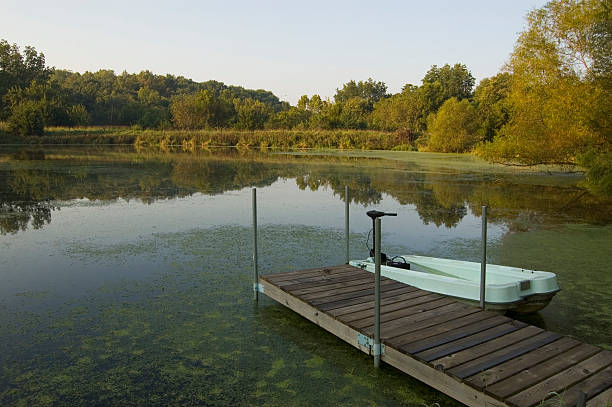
126	275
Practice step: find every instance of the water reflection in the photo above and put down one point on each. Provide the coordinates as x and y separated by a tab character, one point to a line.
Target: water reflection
30	190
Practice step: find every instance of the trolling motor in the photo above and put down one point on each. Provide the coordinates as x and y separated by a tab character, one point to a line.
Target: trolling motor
374	215
383	256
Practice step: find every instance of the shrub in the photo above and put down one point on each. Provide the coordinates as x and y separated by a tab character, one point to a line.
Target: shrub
453	129
26	119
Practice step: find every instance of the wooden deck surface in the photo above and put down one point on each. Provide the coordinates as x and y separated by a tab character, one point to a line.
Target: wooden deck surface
477	357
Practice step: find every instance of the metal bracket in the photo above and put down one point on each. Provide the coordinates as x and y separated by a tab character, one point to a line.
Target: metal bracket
258	287
364	340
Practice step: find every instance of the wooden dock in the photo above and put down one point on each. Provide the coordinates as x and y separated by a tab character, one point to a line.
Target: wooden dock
479	358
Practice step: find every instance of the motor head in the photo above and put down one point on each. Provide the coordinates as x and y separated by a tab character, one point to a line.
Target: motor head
378	214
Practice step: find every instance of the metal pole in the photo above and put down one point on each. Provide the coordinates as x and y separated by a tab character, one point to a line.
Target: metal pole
377	349
255	265
483	264
346	221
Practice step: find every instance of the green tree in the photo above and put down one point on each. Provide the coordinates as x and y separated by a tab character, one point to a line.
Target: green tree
453	129
26	119
315	104
289	119
560	92
78	116
201	110
369	90
251	114
302	104
441	84
354	113
400	111
491	98
19	69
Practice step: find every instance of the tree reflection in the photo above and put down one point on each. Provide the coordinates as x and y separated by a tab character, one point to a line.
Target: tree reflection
15	217
29	190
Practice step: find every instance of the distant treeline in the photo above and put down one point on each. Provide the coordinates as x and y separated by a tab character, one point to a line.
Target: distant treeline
551	104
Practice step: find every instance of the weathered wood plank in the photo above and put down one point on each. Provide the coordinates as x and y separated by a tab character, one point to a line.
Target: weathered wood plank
275	277
455	343
526	361
562	380
592	386
500	356
603	399
474	352
325	286
319	279
531	375
399	319
335	303
436	335
322	299
369	305
422	320
349	289
388	308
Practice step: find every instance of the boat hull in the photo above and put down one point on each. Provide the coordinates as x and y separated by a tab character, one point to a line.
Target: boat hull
508	289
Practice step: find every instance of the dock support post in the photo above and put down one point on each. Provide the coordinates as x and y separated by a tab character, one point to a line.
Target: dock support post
255	260
483	264
377	347
346	221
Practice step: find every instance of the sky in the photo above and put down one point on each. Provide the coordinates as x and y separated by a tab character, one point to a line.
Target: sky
288	47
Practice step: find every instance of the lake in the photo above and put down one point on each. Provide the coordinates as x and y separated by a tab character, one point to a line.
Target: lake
127	274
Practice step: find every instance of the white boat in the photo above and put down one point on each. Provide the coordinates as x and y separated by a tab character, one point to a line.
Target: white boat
507	288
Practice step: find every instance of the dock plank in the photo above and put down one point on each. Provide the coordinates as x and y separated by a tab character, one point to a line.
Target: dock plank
535	374
275	277
326	285
603	399
422	320
562	380
347	289
369	305
455	359
337	295
389	308
526	361
495	358
453	343
334	303
592	387
400	319
439	334
313	281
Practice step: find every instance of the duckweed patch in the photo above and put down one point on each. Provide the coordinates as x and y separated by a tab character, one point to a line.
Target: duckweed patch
192	335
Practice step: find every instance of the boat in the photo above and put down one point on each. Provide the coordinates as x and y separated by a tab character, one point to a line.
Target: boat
507	288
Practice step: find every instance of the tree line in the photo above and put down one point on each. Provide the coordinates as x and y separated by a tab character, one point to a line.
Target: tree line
550	104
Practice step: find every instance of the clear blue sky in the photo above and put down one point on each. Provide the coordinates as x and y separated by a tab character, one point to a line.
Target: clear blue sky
291	48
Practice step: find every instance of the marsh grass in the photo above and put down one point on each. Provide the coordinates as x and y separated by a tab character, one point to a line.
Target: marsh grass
274	139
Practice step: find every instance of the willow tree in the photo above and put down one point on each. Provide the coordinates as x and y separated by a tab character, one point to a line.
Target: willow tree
560	93
454	128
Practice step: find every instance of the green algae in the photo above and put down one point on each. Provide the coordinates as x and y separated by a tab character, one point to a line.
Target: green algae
191	335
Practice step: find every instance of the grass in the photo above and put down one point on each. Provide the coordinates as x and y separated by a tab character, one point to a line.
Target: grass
276	139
